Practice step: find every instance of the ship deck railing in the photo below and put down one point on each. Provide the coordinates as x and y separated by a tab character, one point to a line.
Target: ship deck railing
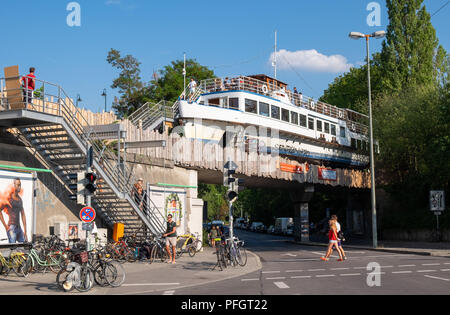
357	122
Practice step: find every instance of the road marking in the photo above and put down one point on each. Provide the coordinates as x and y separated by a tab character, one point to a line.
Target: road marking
349	274
276	278
445	269
386	266
271	272
316	270
249	279
289	254
406	271
437	264
401	266
147	284
281	285
294	270
359	267
339	268
168	292
426	270
325	276
300	277
437	278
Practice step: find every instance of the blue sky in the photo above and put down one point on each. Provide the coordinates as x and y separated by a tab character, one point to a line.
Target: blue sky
231	37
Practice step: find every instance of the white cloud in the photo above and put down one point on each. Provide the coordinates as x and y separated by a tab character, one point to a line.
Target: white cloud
311	60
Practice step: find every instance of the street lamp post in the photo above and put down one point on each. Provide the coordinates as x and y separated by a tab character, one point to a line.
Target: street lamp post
104	95
357	35
79	100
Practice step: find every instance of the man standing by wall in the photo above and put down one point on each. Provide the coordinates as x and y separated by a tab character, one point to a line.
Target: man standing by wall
171	239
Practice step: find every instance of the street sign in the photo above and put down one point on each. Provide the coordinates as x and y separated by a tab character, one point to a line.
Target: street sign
87	214
437	200
87	226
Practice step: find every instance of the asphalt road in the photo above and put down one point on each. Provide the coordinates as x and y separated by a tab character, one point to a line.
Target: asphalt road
292	269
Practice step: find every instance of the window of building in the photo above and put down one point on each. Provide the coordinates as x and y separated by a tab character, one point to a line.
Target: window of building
275	112
311	123
251	106
233	102
302	120
327	127
319	125
264	109
333	130
343	132
294	118
214	102
285	115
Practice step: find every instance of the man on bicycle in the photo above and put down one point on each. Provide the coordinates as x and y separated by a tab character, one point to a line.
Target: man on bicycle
171	239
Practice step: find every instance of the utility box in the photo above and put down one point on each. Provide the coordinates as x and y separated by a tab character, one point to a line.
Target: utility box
118	231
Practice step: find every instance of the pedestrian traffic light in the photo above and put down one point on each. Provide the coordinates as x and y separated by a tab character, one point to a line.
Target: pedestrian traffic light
90	186
77	185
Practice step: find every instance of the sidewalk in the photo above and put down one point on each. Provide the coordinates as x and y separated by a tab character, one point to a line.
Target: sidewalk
441	249
141	277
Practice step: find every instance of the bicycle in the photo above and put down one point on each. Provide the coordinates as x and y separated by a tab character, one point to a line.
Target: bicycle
221	253
158	250
76	274
16	262
40	260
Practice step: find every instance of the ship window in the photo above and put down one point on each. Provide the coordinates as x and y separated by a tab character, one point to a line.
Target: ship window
214	102
327	127
251	106
333	130
264	109
285	115
353	143
275	112
311	123
359	144
302	120
343	132
319	125
294	118
233	103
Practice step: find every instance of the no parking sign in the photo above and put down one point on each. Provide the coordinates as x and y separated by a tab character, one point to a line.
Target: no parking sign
87	214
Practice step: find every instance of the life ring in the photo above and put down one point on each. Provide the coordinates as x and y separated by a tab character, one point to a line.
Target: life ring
312	105
265	89
341	114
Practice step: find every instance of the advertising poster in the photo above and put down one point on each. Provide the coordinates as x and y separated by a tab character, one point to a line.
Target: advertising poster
170	201
16	207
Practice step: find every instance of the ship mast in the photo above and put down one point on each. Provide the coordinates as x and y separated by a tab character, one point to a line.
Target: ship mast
275	57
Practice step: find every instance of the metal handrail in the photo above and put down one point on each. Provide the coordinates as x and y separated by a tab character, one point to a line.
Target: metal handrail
119	173
263	88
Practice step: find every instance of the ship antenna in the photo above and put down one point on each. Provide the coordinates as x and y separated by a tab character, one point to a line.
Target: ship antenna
275	56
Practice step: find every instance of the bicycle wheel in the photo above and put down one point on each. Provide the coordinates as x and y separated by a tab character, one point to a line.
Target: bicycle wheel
61	278
18	262
55	262
241	256
99	274
191	251
198	245
114	274
86	279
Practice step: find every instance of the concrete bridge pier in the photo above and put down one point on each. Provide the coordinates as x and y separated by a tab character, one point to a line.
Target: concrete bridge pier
301	199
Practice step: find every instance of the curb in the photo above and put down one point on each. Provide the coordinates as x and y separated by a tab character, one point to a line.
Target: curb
423	252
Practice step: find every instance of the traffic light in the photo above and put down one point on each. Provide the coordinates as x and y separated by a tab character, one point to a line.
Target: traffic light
78	181
90	185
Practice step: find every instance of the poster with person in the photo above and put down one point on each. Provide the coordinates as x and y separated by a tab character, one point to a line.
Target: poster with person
16	207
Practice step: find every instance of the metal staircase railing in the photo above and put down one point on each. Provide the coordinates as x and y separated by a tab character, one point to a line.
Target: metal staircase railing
151	114
116	175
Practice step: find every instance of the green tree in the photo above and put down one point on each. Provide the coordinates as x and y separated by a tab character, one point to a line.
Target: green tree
169	85
411	50
132	90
